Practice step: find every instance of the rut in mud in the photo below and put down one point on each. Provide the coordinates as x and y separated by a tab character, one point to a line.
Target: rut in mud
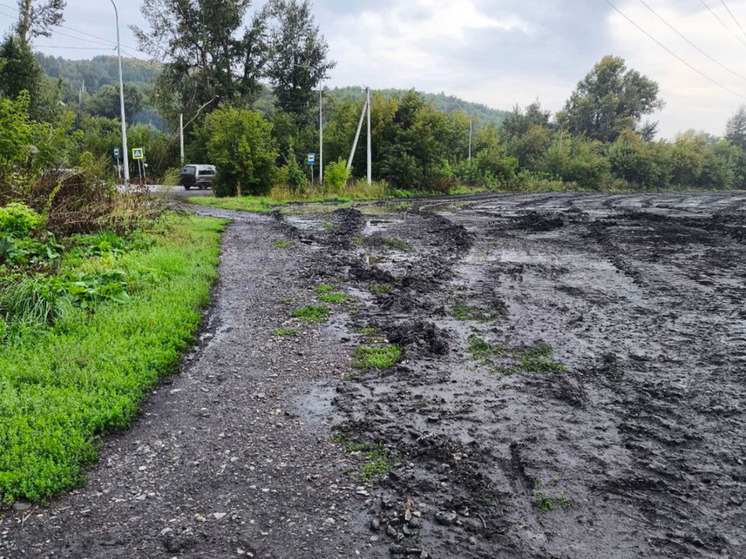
571	386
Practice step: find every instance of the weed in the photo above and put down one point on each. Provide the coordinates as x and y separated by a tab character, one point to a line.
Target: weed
334	297
326	288
367	331
381	289
377	465
544	502
563	501
328	226
312	313
464	312
286	332
377	357
282	244
393	243
482	350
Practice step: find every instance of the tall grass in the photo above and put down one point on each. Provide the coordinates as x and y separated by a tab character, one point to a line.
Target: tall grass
86	375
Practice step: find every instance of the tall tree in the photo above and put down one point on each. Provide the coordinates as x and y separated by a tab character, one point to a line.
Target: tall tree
611	98
205	56
299	54
20	72
735	129
38	18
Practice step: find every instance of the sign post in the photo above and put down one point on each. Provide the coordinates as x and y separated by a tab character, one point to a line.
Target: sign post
311	163
117	155
139	154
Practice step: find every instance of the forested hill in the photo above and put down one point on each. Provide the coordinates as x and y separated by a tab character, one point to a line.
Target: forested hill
441	101
99	71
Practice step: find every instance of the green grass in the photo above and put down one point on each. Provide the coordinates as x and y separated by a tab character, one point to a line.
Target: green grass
466	313
326	288
286	332
377	461
334	297
64	386
381	289
377	357
282	244
482	350
394	243
312	313
254	204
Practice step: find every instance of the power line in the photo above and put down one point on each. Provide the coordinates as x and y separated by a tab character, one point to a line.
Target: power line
672	53
717	17
691	43
107	41
738	23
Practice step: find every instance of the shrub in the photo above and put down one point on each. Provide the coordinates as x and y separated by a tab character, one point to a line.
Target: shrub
18	219
337	175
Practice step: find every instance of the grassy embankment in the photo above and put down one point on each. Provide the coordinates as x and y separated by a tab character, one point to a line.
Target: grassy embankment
65	384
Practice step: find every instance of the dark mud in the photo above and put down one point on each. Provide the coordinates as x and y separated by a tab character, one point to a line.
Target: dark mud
571	386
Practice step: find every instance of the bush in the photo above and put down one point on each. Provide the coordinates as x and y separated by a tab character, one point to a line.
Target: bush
337	175
242	149
18	219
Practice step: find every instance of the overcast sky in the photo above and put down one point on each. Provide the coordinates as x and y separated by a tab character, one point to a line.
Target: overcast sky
500	52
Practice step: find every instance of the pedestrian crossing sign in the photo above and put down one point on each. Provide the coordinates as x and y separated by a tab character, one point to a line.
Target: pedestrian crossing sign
137	153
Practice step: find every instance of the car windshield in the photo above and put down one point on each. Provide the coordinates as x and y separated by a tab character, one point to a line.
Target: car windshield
188	170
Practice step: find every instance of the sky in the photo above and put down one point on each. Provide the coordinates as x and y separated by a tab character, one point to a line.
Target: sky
499	52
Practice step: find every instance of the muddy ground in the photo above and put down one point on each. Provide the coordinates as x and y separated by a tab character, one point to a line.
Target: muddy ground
571	386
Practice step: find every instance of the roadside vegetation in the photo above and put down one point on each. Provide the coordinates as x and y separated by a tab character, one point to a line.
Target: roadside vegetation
83	343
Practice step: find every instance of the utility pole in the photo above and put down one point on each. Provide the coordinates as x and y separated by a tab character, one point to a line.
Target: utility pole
321	135
370	140
471	134
121	103
181	136
357	134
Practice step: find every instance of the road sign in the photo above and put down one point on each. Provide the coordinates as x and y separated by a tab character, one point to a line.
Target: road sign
116	153
311	158
137	153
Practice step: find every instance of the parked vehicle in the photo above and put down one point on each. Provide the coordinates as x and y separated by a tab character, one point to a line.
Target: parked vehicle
199	176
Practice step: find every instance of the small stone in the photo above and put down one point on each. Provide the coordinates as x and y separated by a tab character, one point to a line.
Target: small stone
330	520
199	518
375	524
445	518
219	515
21	506
391	531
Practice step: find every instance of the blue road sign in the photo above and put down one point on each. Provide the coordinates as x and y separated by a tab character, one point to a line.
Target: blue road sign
311	158
116	153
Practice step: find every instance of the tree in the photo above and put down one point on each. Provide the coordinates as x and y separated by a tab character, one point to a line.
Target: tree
38	18
106	102
298	54
519	122
609	99
242	148
735	129
19	72
205	56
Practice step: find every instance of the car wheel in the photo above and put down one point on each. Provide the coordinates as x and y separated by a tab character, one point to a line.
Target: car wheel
187	187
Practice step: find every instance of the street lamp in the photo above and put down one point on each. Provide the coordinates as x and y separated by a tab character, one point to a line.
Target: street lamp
121	103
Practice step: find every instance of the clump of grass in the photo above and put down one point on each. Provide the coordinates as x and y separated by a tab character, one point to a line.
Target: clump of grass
328	226
282	244
367	331
534	359
464	312
543	502
312	313
325	288
381	289
378	463
377	357
393	243
286	332
334	297
482	350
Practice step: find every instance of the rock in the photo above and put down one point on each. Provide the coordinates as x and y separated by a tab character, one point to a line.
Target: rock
199	518
330	521
375	524
445	518
21	506
219	515
391	531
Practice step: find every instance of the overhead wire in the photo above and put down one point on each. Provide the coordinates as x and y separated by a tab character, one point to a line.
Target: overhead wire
738	23
680	34
672	53
717	17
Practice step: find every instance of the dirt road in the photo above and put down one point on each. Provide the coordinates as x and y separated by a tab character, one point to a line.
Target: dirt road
571	386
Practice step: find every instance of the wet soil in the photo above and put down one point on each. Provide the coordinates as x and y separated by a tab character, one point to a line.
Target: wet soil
571	386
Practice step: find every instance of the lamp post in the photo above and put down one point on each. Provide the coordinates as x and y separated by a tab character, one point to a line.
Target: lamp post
121	103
